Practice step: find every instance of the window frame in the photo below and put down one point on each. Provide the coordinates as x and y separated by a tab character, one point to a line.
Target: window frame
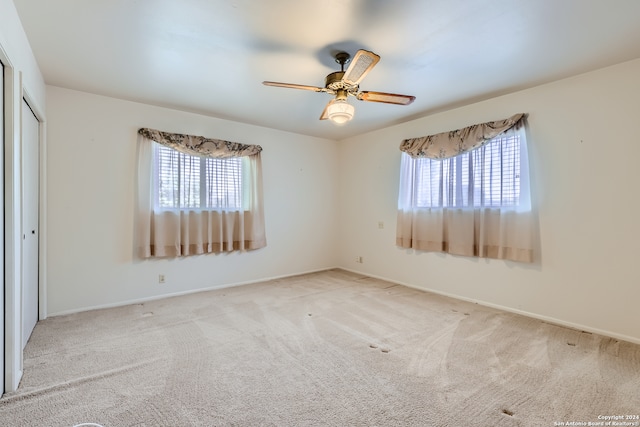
240	162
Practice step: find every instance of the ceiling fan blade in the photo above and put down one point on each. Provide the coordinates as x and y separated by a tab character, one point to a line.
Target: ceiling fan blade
324	115
294	86
360	66
387	98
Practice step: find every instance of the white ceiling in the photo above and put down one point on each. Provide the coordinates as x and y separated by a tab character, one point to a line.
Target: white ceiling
211	56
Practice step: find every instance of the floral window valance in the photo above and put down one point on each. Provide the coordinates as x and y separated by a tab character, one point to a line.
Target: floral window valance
449	144
199	145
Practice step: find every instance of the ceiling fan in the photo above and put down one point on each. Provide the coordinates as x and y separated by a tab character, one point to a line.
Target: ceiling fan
344	83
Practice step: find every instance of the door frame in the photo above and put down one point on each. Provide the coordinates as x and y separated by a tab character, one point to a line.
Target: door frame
14	94
2	140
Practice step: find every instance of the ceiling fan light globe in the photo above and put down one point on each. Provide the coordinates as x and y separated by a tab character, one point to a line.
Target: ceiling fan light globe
340	111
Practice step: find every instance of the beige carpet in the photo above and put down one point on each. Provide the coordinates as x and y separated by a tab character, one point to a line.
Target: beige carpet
324	349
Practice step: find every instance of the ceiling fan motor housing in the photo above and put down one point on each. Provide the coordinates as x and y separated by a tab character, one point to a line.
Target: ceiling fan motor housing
334	84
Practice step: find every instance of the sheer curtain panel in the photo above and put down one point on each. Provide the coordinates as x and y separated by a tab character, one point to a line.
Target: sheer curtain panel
466	192
197	195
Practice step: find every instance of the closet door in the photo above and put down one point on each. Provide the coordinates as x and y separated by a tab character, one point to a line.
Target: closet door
30	218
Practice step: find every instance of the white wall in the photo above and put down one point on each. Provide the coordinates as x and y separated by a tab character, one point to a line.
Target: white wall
91	176
14	43
583	141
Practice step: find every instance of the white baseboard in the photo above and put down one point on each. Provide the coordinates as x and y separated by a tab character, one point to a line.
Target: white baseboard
547	319
187	292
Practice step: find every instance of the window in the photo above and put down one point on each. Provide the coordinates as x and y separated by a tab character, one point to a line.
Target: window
197	195
189	182
466	192
488	176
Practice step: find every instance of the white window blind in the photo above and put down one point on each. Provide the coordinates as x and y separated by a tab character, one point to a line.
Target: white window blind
182	181
488	176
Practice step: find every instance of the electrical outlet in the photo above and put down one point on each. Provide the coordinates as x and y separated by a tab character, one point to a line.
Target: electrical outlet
380	224
161	278
359	260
